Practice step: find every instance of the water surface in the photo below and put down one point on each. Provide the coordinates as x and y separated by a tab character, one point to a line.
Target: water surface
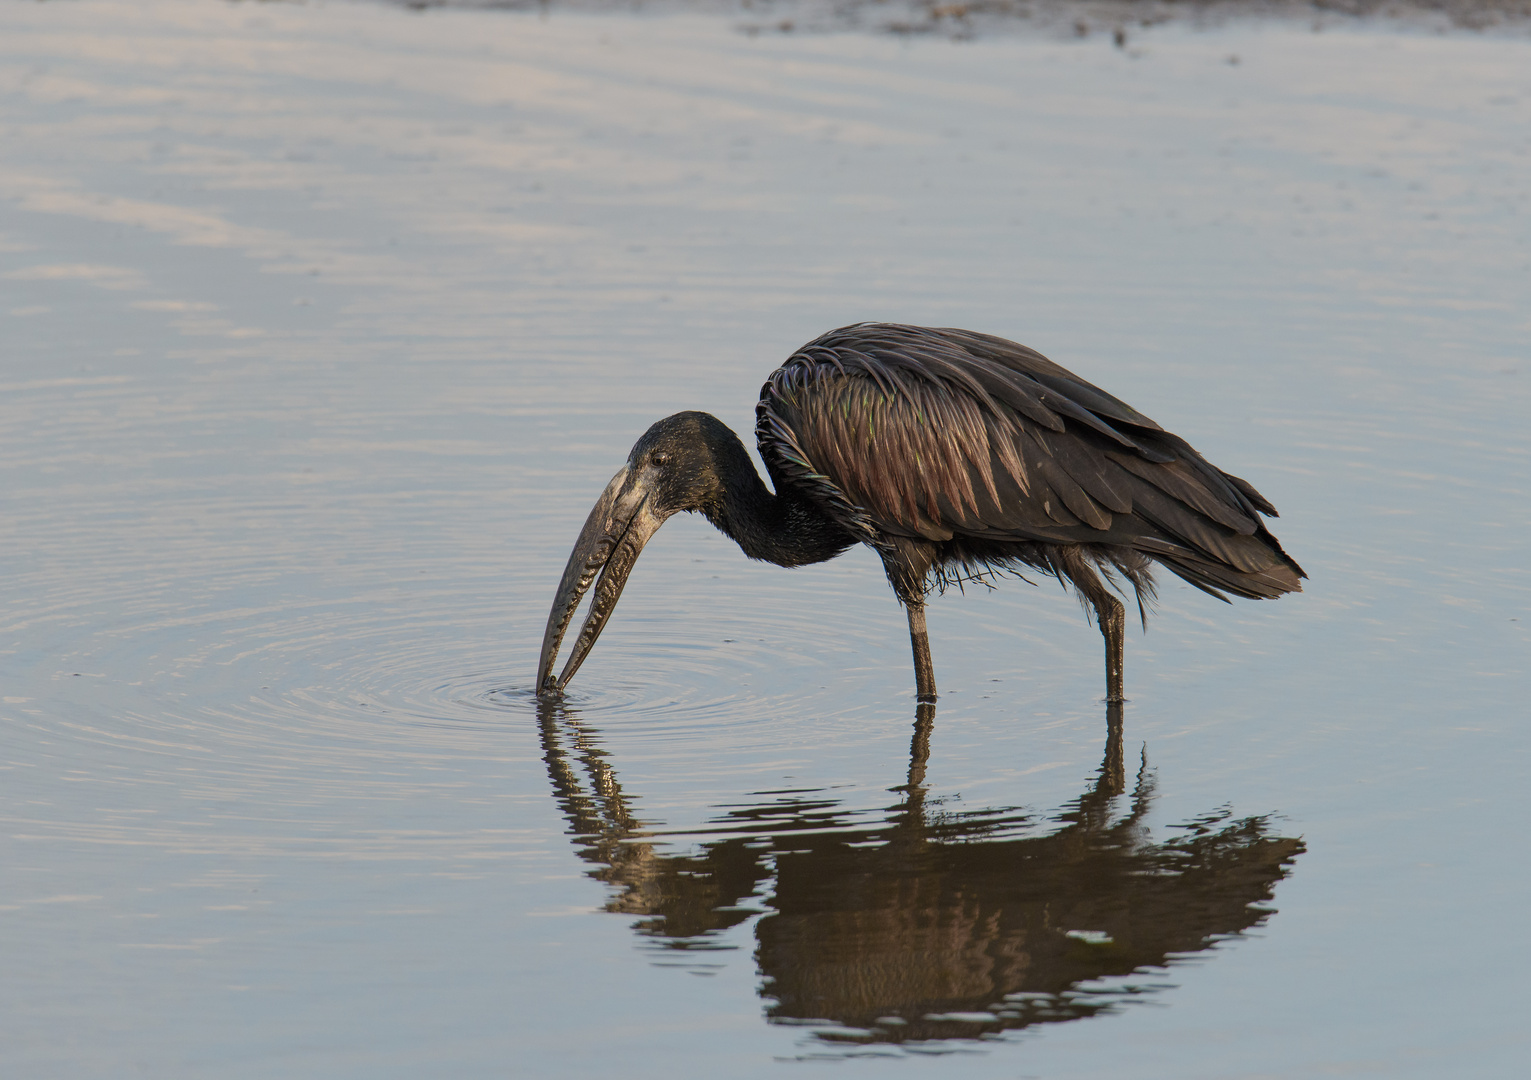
324	326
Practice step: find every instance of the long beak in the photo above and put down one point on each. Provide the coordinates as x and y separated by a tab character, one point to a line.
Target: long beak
620	523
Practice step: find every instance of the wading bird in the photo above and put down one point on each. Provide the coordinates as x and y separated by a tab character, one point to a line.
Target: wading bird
952	455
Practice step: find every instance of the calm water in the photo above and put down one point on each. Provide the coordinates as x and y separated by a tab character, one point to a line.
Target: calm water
324	325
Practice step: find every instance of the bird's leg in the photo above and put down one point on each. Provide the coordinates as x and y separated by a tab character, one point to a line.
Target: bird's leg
919	641
1112	617
907	563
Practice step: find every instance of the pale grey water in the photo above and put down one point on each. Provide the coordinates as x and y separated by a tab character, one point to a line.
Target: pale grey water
323	326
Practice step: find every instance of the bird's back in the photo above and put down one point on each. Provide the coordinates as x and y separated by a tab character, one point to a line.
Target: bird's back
987	450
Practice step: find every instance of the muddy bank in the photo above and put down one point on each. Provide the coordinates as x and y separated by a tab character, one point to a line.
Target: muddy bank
1053	18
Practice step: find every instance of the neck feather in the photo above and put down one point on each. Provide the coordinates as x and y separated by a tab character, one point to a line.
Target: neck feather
783	528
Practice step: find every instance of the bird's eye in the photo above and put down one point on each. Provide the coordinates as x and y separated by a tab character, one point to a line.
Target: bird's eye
660	459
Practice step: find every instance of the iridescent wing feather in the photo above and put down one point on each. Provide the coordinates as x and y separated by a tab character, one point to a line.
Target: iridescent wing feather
957	438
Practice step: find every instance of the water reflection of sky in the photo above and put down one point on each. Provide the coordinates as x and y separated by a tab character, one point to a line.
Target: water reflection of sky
324	324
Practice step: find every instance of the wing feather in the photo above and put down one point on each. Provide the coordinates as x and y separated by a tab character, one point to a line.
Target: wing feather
902	431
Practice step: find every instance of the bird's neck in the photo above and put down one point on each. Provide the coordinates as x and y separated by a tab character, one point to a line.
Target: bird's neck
783	528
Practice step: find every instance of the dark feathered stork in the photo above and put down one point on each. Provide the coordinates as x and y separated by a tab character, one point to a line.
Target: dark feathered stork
950	454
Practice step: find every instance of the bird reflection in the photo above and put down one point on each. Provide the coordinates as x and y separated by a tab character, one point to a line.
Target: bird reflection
932	923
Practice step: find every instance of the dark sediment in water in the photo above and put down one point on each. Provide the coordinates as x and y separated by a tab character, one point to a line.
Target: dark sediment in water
1077	18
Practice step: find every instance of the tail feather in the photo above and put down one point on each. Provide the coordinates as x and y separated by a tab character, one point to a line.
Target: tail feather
1217	578
1266	571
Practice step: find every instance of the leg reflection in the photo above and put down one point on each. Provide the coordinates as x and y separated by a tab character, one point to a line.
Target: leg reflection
919	746
1113	774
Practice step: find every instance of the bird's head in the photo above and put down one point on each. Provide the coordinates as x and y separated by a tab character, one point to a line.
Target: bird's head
677	461
675	466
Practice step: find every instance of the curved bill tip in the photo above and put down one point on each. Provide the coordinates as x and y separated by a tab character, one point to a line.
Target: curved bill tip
618	526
